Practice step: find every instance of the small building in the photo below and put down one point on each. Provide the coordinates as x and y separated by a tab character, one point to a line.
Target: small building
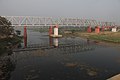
114	29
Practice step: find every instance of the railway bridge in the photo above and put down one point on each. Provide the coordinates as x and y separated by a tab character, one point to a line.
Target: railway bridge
36	21
48	21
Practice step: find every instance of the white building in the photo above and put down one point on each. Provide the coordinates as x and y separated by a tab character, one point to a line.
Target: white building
114	29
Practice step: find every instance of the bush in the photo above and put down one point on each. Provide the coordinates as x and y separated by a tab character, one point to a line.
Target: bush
5	27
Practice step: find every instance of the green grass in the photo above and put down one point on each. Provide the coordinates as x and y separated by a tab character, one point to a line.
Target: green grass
105	38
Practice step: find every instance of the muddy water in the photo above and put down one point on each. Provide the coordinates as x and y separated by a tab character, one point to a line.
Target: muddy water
88	61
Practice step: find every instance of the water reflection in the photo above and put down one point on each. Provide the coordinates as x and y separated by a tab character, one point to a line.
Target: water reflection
50	41
88	41
55	42
90	63
25	42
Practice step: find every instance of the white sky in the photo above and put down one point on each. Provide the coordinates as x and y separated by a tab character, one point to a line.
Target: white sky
104	10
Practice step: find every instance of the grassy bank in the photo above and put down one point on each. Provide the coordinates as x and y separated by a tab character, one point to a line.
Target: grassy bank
113	37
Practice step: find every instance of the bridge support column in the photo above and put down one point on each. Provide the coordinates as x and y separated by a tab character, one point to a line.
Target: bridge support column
97	29
89	29
55	34
25	37
56	30
103	28
50	30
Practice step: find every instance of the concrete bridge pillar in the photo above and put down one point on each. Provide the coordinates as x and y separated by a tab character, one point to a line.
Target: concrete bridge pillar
56	30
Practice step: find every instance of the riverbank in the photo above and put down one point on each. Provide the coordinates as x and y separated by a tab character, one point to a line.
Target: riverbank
6	65
113	37
108	38
7	44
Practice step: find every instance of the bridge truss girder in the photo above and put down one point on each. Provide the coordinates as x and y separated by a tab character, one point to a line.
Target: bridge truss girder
48	21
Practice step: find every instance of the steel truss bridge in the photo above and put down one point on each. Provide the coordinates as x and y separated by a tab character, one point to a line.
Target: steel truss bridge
48	21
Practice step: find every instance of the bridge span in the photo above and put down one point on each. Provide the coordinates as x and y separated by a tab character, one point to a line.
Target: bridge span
48	21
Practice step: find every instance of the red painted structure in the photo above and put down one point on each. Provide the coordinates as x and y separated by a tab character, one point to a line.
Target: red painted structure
56	26
50	41
97	29
103	28
89	29
50	30
25	37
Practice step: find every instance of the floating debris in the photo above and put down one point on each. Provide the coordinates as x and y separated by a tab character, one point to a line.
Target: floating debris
91	72
71	65
31	77
39	53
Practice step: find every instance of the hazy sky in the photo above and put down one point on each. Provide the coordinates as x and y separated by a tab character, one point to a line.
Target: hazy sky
105	10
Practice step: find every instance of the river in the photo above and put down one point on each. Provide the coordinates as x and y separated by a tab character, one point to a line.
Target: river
87	61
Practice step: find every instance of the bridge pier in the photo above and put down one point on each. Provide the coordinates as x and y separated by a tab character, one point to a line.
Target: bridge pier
25	37
55	34
103	28
56	30
97	29
50	30
89	29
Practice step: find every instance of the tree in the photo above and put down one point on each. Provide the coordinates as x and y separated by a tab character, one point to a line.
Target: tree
5	27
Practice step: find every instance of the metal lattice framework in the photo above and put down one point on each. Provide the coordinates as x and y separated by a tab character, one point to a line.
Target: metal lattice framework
48	21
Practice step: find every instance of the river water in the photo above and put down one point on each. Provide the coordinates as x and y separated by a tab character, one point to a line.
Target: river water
87	61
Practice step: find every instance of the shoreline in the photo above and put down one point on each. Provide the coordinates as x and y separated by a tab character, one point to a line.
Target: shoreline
86	35
7	44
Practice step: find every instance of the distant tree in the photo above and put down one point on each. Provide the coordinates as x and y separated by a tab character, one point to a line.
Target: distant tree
5	27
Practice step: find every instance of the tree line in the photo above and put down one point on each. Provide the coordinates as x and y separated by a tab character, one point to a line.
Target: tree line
5	27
